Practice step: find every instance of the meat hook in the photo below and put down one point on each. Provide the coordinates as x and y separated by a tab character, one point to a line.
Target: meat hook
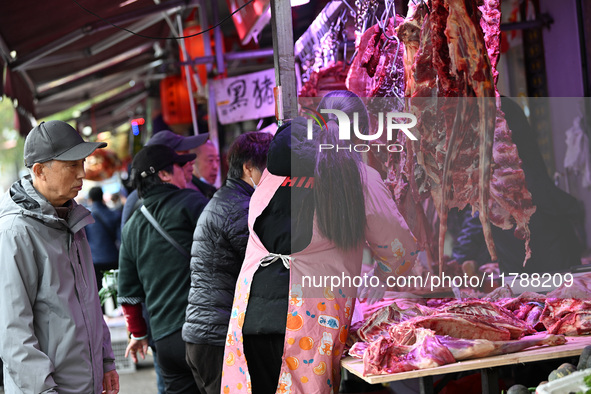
385	18
354	13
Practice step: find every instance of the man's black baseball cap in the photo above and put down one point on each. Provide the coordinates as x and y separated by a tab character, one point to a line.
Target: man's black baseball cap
57	140
153	158
178	142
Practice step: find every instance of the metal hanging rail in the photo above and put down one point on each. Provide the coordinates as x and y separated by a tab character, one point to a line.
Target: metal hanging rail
542	20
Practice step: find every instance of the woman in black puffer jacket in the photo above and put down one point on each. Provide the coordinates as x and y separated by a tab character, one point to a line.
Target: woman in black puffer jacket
219	244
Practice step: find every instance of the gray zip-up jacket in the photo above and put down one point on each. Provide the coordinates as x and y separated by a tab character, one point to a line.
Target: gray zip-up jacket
53	337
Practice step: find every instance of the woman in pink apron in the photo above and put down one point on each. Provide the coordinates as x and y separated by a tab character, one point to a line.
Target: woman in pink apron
310	218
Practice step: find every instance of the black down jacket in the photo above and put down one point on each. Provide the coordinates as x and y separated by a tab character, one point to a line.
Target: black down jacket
219	244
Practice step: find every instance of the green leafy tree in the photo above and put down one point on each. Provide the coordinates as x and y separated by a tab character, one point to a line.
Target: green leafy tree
11	146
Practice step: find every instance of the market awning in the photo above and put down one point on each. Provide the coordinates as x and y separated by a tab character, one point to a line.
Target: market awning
63	55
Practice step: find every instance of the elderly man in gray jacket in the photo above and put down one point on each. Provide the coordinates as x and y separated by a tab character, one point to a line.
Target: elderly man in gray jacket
53	338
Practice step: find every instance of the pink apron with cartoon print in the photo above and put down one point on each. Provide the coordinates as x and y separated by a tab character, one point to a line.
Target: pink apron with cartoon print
318	319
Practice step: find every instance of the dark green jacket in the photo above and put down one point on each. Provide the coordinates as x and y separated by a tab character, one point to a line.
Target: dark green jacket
151	270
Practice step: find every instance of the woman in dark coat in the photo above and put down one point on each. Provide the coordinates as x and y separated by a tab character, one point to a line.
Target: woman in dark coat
219	244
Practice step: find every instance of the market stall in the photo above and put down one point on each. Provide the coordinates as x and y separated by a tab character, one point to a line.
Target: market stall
431	75
448	63
487	366
409	337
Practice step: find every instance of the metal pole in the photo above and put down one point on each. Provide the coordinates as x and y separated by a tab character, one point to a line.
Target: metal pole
212	124
426	384
123	35
204	26
252	54
186	56
490	380
188	77
283	56
542	20
217	35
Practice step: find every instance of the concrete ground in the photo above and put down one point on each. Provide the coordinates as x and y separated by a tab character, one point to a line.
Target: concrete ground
142	378
142	381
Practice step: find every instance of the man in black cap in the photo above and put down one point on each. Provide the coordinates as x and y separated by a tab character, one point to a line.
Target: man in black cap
154	261
53	337
181	145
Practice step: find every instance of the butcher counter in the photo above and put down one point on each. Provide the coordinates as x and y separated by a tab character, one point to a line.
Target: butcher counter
488	366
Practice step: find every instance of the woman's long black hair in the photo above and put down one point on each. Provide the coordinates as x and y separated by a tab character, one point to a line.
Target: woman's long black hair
338	189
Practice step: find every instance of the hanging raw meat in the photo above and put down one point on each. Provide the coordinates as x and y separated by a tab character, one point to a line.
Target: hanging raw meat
453	94
325	80
445	63
456	131
511	203
377	69
410	34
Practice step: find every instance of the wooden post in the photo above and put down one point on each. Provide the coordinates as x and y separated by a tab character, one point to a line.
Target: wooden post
283	56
